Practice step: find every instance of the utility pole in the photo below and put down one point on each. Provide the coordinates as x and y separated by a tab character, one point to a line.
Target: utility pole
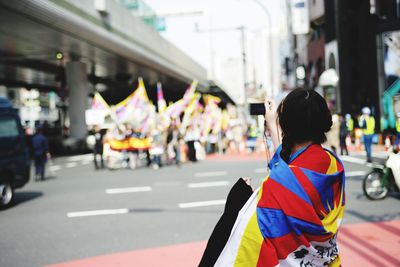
244	61
243	53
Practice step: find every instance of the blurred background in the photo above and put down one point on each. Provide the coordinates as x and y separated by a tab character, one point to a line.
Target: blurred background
123	123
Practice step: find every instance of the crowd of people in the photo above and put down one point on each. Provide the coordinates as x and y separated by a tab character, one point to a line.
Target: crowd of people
125	146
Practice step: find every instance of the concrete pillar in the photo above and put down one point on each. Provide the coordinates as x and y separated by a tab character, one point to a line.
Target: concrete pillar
78	88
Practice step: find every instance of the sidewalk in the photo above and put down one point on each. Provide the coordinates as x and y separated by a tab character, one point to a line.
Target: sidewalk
365	244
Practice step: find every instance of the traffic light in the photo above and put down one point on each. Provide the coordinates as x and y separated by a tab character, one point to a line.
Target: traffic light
59	55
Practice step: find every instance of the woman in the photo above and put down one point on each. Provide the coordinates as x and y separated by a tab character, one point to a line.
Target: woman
293	218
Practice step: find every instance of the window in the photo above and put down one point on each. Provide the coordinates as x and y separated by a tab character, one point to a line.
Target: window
8	127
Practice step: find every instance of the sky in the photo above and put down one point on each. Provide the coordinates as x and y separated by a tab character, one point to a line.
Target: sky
217	43
218	15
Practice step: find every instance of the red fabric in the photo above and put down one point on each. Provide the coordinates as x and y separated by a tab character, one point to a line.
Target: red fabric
291	205
314	158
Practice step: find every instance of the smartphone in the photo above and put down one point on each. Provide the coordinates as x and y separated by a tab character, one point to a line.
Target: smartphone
257	108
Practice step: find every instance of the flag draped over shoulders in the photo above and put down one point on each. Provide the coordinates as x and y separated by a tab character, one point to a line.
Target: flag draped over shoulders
294	217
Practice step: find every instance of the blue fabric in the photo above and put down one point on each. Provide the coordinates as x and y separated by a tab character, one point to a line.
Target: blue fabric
39	144
368	145
274	223
281	173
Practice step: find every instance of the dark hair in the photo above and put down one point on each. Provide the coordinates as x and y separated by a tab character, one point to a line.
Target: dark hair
303	116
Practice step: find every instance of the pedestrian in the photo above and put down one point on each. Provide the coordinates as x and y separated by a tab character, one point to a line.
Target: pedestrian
98	148
173	144
398	131
191	136
333	136
344	133
294	217
40	147
367	123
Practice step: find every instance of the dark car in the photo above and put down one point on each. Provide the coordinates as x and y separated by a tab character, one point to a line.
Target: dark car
14	153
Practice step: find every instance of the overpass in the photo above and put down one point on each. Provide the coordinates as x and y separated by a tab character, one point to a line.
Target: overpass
72	48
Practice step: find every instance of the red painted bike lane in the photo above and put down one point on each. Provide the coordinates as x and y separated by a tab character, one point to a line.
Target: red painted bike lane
366	244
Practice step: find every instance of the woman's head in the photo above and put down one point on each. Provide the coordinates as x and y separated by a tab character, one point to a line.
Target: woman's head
304	117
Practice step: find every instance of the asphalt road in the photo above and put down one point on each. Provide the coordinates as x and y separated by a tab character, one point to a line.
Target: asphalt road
82	213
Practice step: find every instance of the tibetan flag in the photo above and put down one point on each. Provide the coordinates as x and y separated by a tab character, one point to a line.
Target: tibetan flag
187	116
211	100
294	217
190	93
135	101
161	104
99	103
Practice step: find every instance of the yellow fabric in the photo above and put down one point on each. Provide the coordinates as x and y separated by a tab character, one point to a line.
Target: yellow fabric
350	125
398	125
250	245
336	262
129	144
370	121
333	165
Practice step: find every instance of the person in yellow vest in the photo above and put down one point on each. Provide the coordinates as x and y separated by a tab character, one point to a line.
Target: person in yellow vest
367	123
398	130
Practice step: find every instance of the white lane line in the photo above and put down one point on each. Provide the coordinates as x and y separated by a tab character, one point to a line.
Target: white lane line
96	213
359	161
208	184
355	173
71	164
261	170
353	160
55	168
86	161
210	174
79	157
201	204
128	190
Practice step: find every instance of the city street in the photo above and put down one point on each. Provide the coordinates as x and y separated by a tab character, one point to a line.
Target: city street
162	217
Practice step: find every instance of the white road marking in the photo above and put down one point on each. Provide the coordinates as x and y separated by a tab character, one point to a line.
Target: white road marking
355	173
71	164
210	174
202	204
80	157
208	184
96	213
128	190
86	161
359	161
261	170
353	160
55	168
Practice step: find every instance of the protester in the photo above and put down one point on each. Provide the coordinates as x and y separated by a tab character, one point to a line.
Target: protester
173	145
191	136
332	137
40	153
294	217
344	133
98	148
367	123
398	130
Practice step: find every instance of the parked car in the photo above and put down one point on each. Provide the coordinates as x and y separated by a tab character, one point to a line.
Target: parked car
14	153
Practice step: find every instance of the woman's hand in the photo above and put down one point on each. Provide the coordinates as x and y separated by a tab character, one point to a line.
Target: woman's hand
271	122
270	113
